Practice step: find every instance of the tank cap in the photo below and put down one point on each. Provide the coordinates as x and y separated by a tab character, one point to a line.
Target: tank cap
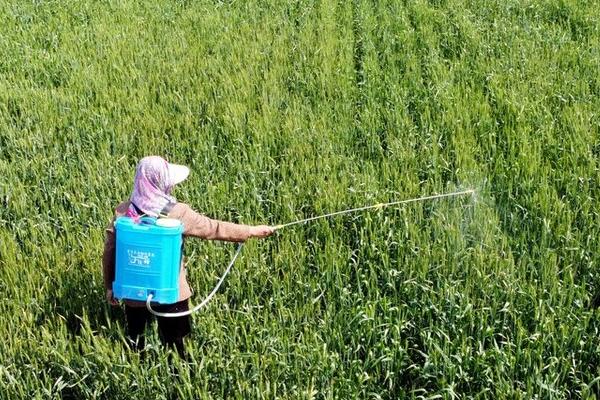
168	222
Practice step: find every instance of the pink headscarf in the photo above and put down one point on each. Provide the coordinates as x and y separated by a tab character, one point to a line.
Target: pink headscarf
154	179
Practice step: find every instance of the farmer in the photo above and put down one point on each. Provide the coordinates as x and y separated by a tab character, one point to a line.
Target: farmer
154	180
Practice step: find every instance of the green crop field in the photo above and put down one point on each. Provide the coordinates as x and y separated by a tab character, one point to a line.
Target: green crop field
290	109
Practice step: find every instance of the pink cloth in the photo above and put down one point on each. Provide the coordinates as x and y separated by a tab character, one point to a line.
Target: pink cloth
151	187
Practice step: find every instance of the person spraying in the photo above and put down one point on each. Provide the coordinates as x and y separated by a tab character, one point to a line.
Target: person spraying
151	197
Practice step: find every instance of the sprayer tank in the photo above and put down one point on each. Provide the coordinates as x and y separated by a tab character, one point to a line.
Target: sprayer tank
148	257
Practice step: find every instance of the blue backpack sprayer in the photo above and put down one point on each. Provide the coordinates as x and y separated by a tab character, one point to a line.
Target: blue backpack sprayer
149	251
148	257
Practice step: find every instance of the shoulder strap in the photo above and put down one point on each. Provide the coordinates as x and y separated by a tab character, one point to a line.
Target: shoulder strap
166	209
137	209
163	213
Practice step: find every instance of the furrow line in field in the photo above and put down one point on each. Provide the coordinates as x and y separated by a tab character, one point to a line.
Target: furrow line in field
359	54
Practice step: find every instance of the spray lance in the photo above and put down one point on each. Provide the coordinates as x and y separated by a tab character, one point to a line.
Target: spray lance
298	222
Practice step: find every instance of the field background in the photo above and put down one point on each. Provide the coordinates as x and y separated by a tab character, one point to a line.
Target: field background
288	109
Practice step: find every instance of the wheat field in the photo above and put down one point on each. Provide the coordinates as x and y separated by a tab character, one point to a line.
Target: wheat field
290	109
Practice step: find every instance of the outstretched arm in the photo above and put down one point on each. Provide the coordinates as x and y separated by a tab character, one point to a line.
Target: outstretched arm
196	224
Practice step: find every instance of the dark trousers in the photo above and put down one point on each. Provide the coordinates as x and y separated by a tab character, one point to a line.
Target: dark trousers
170	330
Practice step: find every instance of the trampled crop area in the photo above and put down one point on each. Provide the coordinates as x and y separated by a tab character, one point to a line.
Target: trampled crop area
289	109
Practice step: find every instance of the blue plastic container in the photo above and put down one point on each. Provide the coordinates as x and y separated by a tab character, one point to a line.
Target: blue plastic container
148	257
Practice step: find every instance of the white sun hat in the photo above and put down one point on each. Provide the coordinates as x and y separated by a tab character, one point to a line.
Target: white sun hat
177	173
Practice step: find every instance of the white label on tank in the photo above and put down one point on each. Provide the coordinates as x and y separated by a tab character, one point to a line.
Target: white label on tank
140	258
